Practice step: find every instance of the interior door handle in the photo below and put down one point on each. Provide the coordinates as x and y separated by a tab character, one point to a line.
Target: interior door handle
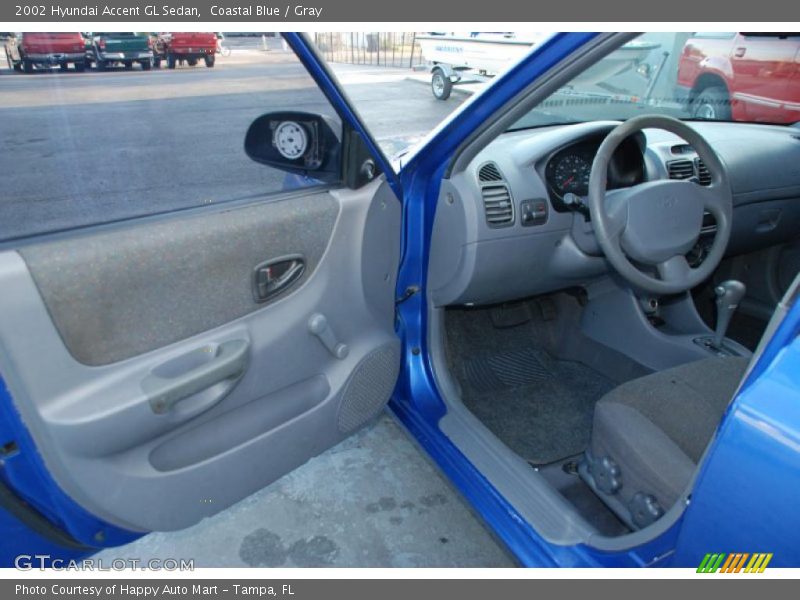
167	386
740	52
274	276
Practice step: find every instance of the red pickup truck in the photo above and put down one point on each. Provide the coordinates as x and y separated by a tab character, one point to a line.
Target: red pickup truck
190	47
742	76
24	51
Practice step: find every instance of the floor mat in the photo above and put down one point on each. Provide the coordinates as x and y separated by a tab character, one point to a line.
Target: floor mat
540	407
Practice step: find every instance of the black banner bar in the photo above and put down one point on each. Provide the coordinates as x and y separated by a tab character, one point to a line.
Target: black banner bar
397	589
359	11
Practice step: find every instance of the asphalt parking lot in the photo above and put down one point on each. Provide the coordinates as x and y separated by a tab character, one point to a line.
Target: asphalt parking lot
93	147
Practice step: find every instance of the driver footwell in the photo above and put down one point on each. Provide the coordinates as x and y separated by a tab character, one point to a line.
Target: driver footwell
539	406
539	403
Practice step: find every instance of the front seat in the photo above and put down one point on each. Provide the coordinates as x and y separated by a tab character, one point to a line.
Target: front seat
649	434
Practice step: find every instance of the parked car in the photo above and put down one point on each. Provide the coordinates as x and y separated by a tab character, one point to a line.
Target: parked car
184	46
742	76
24	51
106	49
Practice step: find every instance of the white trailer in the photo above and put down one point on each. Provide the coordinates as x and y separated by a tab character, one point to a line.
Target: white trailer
470	58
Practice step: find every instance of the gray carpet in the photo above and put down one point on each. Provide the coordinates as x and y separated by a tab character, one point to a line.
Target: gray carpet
539	406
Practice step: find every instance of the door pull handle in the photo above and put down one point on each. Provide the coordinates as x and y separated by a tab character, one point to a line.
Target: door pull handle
274	276
225	362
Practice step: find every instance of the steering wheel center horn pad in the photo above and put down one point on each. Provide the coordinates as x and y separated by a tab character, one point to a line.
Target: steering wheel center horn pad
656	223
663	219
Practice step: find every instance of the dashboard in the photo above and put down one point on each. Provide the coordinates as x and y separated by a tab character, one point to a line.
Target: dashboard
513	223
567	170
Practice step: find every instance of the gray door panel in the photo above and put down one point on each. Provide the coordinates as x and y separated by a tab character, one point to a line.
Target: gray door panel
119	293
159	392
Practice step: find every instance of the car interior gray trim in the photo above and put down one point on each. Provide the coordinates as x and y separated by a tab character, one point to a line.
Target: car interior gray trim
144	471
117	295
542	87
474	263
612	308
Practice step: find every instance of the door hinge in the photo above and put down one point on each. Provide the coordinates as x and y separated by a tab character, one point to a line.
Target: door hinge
410	291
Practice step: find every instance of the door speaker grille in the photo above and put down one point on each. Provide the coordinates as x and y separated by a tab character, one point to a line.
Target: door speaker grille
369	387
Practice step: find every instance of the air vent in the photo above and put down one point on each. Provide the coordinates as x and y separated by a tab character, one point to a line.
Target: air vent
497	202
686	169
489	172
703	174
681	149
680	169
498	205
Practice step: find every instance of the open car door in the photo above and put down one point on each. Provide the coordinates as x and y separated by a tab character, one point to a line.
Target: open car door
160	369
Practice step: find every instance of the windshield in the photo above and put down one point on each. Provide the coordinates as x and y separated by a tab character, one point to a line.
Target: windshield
750	77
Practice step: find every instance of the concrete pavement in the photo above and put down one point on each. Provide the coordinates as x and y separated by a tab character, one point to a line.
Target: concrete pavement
372	501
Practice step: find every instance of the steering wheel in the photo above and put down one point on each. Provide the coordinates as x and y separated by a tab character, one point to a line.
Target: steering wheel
647	229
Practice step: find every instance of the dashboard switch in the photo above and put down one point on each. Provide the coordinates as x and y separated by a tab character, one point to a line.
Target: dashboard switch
533	212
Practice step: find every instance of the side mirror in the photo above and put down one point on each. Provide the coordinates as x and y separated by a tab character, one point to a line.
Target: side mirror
297	142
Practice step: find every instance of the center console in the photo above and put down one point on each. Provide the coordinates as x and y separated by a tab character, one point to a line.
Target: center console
659	333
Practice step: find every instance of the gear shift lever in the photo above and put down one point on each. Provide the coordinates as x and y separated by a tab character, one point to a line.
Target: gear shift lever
729	294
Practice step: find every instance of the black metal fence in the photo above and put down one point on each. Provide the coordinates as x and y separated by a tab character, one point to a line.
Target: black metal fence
385	49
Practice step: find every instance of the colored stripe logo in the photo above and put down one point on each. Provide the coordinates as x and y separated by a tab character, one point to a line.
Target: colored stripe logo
738	562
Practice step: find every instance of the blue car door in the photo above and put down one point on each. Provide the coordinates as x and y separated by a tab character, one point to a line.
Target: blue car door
158	368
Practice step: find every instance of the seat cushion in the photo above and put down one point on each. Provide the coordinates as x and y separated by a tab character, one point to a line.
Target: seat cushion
655	429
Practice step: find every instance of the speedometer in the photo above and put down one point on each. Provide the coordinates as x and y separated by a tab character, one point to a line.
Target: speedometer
571	174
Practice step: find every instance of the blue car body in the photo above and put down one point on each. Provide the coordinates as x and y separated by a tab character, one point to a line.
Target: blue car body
744	498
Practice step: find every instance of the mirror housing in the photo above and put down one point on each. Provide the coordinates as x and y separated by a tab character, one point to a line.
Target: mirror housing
321	158
359	166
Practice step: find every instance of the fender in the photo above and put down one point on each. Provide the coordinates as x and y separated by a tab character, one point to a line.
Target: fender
716	65
452	74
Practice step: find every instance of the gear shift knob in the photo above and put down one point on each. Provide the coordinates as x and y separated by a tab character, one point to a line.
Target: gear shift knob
729	294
